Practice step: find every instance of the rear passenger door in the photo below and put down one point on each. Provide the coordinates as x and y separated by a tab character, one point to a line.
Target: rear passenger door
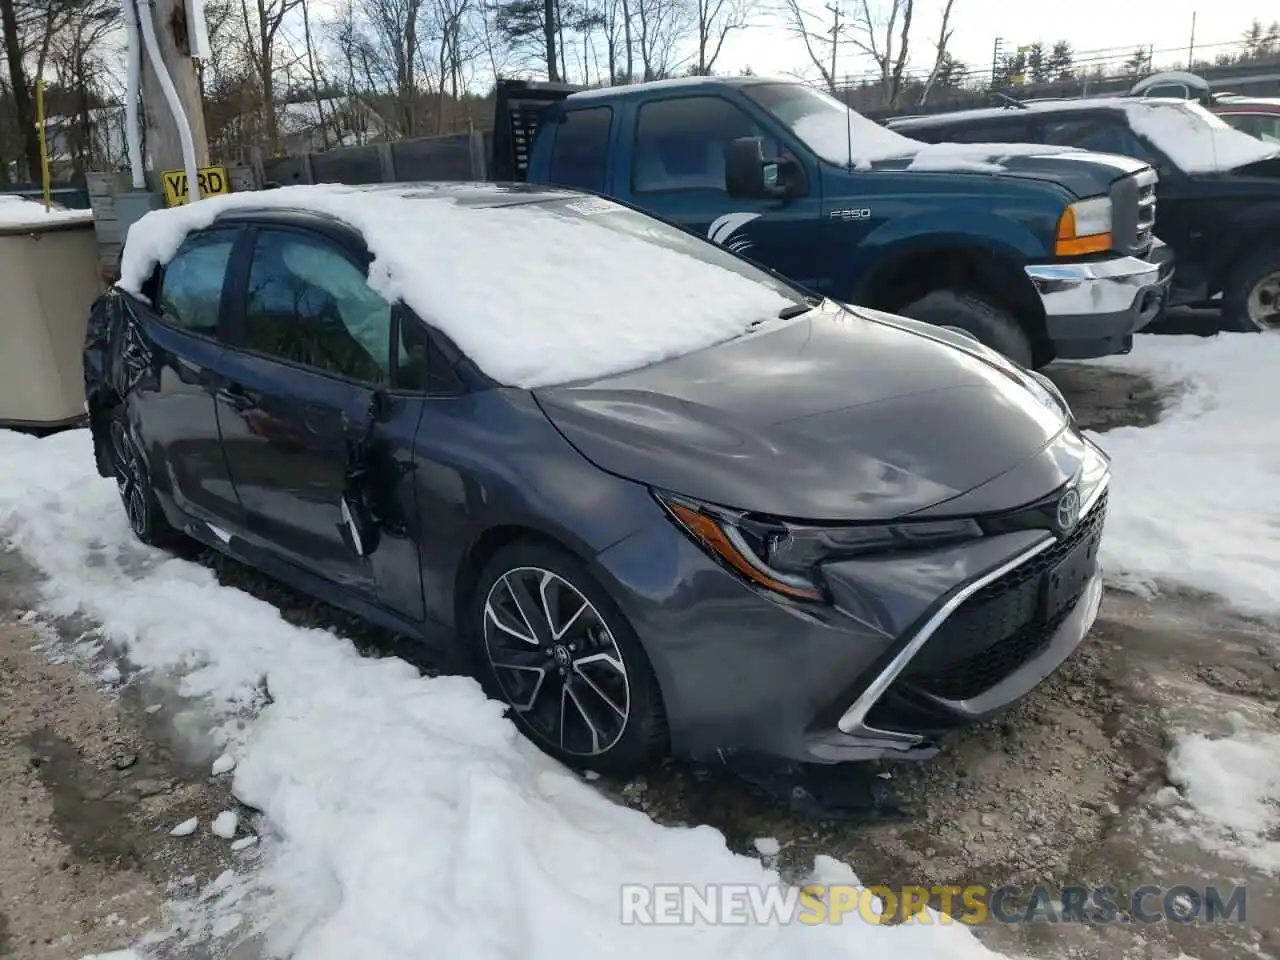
678	148
306	387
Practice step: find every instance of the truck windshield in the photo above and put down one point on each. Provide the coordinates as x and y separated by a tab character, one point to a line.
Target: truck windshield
828	127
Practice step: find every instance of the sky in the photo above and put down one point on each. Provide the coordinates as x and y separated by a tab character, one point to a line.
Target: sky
1114	26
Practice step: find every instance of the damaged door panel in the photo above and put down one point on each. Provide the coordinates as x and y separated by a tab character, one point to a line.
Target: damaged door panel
159	361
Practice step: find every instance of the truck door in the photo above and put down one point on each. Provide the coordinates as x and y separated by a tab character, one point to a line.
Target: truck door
677	171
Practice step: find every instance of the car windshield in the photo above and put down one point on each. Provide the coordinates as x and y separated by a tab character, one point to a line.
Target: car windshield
828	127
1195	140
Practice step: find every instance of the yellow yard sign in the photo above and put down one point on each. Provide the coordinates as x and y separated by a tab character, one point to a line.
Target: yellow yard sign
211	180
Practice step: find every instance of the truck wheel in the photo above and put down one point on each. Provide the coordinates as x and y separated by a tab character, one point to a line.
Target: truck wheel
992	325
1251	298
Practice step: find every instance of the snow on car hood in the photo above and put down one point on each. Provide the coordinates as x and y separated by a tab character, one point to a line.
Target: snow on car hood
1196	140
532	297
860	143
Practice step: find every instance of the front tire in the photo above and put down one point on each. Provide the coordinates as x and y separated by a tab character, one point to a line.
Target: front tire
1251	298
992	325
146	518
550	643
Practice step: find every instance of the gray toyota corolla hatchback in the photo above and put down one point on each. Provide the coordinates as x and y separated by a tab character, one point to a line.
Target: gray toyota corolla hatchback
656	498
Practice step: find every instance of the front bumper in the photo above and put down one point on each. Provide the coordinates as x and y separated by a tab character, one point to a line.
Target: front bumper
1093	309
746	673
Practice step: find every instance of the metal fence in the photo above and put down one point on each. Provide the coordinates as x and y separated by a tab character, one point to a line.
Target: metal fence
458	156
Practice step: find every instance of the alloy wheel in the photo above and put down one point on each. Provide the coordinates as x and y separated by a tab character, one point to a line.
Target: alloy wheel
556	661
130	479
1264	302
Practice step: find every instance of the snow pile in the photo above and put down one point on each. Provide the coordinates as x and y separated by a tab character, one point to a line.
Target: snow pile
1193	138
16	212
1232	786
534	297
1195	498
412	819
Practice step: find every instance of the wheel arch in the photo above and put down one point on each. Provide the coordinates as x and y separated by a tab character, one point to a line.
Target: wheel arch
908	274
1254	235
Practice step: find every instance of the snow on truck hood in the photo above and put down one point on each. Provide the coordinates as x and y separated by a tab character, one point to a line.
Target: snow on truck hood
828	136
533	297
1195	139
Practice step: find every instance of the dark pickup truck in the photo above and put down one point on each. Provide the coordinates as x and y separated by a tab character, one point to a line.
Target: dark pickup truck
1218	193
1039	252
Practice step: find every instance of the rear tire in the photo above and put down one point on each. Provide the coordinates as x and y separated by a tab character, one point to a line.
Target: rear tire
992	325
549	642
1251	297
146	517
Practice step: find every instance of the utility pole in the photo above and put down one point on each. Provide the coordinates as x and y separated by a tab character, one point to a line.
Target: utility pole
834	10
1191	47
164	141
995	60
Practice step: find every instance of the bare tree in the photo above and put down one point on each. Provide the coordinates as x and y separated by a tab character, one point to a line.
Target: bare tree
262	22
394	26
821	42
885	36
663	25
941	59
715	20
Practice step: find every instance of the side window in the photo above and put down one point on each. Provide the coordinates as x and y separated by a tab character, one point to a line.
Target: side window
419	365
1101	134
984	131
579	149
191	283
681	143
308	303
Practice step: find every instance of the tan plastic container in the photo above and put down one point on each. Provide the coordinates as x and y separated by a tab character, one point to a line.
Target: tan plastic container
48	280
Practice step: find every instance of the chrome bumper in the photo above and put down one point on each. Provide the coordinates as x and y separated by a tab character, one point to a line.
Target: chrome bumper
1104	286
1094	309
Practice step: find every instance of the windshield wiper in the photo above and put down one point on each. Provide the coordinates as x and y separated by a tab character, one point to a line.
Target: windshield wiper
796	309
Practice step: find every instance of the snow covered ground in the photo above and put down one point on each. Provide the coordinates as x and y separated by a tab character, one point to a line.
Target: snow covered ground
1195	498
403	817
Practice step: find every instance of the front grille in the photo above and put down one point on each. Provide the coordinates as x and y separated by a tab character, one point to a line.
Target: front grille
1000	627
1133	213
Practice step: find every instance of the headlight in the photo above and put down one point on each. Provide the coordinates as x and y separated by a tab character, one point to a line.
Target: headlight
1084	227
1047	392
784	557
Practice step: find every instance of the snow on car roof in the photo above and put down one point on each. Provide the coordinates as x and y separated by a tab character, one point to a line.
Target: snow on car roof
1192	137
533	297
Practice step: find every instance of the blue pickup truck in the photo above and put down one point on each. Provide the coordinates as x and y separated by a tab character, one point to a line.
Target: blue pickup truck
1040	252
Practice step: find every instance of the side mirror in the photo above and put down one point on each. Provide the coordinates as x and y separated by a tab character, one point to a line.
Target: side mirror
747	174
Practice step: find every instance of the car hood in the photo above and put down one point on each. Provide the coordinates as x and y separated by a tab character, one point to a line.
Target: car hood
839	415
1084	173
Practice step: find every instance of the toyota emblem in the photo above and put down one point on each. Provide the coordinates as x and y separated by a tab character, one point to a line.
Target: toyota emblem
1068	510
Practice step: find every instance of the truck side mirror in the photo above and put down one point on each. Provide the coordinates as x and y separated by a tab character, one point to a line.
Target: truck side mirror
747	174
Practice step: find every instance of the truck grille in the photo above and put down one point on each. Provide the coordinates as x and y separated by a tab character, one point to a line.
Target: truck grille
1133	213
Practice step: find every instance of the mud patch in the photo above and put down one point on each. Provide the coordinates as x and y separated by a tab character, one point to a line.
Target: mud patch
1103	399
90	793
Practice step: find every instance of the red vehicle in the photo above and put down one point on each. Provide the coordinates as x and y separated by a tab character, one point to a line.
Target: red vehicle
1256	116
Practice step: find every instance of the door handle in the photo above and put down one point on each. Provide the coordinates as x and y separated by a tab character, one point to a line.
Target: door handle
323	420
234	394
